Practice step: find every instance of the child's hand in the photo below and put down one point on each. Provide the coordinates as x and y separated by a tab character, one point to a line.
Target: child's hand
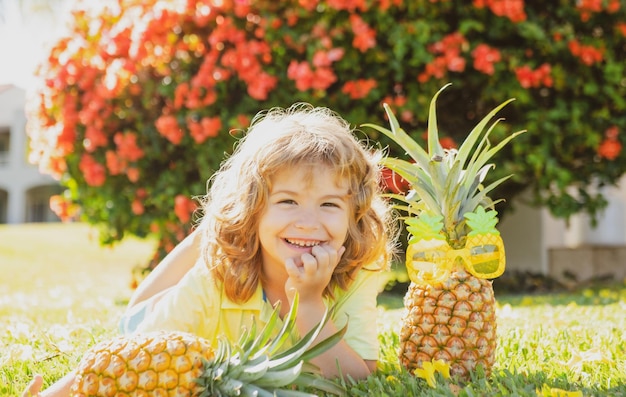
34	387
314	274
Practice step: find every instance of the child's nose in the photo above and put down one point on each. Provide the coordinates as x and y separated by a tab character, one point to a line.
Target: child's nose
307	219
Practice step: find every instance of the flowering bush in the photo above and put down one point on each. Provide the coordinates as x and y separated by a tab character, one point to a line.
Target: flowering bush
138	101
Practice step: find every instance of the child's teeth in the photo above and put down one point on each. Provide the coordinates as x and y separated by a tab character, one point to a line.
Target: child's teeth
303	243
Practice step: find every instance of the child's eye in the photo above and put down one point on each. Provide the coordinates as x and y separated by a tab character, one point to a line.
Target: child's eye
334	205
286	202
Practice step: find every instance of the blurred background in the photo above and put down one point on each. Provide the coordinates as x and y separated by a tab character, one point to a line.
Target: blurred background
564	218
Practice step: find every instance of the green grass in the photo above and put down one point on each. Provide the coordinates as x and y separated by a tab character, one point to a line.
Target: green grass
60	292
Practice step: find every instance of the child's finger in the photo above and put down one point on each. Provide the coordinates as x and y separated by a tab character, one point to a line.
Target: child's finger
325	255
292	269
34	387
310	264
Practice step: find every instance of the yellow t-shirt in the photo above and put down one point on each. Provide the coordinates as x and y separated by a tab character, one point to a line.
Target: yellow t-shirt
197	305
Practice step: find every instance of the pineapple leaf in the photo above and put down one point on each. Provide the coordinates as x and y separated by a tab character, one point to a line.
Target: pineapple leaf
434	146
417	178
474	167
248	390
425	227
405	169
280	377
453	187
398	135
319	383
483	145
253	372
475	201
324	345
301	348
293	393
467	147
447	182
481	221
264	337
438	178
288	323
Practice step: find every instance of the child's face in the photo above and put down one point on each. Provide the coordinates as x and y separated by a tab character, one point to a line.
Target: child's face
305	208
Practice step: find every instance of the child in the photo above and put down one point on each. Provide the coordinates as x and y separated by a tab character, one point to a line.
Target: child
294	209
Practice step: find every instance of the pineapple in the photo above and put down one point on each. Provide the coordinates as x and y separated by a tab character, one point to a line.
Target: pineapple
453	248
172	363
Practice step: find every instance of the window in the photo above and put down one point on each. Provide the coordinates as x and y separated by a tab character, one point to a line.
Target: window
38	204
4	203
5	145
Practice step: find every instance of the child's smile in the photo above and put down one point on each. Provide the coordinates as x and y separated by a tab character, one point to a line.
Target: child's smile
302	243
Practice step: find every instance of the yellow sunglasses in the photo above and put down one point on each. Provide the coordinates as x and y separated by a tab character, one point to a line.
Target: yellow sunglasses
432	261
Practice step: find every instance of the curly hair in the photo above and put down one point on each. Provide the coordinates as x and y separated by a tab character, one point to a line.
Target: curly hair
280	139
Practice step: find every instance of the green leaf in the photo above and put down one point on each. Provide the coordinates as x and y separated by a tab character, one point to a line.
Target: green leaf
397	134
434	146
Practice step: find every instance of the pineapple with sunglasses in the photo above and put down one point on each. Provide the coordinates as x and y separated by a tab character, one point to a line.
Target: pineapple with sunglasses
454	248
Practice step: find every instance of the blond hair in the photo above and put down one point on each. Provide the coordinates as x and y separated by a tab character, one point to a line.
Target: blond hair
280	139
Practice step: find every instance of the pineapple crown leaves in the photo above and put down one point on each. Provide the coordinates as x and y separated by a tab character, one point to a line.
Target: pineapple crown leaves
482	222
448	182
425	227
255	366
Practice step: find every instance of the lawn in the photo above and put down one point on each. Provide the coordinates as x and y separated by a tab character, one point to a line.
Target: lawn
60	292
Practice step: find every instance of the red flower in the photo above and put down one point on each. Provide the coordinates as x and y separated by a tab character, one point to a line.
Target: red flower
613	6
133	174
447	143
94	138
511	9
94	172
364	35
137	207
307	79
349	5
358	89
127	146
326	58
183	208
529	78
587	7
393	182
323	78
115	165
180	94
168	127
450	48
301	73
63	208
610	149
484	58
612	132
261	85
587	54
243	120
208	127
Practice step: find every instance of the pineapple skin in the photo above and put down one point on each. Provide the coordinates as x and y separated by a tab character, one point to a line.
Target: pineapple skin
152	364
454	321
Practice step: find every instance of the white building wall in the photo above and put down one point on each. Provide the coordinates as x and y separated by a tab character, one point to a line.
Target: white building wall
18	176
535	241
523	237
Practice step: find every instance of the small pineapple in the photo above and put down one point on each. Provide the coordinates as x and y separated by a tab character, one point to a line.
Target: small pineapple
171	363
453	249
